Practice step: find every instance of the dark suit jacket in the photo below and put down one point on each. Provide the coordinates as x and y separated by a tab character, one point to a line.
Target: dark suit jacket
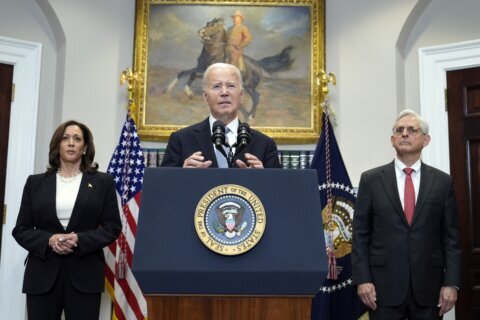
198	137
390	253
95	219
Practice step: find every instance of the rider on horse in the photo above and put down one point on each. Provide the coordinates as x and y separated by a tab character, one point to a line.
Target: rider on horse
238	38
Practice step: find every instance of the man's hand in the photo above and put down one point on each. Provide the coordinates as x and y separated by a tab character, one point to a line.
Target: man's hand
252	161
196	161
368	295
447	299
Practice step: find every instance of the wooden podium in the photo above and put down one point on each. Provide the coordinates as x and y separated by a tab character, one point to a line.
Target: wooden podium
183	279
231	308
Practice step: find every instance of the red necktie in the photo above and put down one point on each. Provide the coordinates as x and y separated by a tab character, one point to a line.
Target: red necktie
409	196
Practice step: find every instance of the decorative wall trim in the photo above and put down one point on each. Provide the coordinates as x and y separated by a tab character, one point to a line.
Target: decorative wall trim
26	58
434	62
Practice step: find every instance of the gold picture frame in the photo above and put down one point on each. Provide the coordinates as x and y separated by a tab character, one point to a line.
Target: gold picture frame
286	34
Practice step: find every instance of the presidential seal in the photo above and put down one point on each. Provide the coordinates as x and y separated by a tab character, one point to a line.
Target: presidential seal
339	234
230	219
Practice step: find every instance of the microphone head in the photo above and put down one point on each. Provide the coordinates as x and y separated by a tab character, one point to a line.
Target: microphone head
218	133
243	126
218	125
244	136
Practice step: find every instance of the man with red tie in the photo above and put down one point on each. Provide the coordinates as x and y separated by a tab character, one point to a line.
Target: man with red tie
406	254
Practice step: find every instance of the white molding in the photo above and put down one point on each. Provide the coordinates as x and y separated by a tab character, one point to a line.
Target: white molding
26	58
434	62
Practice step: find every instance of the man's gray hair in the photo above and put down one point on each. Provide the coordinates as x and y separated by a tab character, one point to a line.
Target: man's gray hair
410	113
221	65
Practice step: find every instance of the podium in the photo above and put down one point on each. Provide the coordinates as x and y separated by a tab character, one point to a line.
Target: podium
182	278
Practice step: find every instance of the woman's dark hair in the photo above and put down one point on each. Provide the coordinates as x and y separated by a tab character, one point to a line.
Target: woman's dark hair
87	164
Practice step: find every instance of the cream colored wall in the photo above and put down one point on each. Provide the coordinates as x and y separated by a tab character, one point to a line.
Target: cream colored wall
443	22
24	20
361	37
375	78
99	45
372	47
86	44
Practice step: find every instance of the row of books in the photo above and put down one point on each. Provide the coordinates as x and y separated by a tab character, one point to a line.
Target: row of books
296	159
290	159
153	157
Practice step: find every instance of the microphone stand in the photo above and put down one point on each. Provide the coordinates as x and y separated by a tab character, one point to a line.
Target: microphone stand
243	139
230	157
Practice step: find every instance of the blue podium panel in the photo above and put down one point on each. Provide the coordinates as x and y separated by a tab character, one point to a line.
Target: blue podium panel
170	258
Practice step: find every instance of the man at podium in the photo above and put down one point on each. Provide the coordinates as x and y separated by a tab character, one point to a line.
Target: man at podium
221	140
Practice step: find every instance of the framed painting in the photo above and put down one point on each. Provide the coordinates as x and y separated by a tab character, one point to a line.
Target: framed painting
175	40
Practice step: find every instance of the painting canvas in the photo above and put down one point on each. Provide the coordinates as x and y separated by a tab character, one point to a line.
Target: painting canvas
279	66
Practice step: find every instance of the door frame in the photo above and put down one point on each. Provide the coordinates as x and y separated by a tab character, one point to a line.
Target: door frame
434	62
25	56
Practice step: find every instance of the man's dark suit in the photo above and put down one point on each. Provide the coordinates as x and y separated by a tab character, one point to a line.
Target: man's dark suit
389	253
198	137
95	219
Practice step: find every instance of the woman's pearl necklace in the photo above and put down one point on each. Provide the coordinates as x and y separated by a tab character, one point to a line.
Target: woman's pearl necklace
68	179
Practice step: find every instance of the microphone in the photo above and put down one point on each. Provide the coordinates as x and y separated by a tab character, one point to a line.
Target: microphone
218	134
219	140
244	137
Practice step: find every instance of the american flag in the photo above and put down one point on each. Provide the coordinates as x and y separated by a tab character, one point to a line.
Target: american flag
127	166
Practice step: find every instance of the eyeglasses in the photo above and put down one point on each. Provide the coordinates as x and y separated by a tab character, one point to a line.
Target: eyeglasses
398	131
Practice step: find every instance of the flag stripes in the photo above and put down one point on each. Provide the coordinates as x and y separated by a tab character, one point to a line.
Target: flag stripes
127	166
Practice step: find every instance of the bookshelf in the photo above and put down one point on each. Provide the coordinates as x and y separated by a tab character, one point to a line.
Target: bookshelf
289	159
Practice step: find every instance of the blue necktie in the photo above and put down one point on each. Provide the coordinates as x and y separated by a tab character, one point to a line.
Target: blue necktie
221	160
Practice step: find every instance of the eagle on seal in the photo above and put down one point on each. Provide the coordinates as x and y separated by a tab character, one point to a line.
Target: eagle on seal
230	215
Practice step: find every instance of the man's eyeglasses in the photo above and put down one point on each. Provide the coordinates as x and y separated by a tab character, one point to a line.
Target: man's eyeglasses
398	131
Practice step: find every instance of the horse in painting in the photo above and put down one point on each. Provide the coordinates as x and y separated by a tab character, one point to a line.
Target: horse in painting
214	39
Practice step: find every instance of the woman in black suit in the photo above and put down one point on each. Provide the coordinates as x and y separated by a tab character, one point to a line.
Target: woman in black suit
67	216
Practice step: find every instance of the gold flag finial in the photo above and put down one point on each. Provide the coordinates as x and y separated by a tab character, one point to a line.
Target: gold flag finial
323	79
131	78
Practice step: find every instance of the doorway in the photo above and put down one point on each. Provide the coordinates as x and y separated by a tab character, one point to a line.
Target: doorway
25	56
463	101
6	84
434	62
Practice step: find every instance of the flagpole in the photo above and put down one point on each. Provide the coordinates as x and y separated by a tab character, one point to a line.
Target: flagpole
127	168
323	79
336	298
130	78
